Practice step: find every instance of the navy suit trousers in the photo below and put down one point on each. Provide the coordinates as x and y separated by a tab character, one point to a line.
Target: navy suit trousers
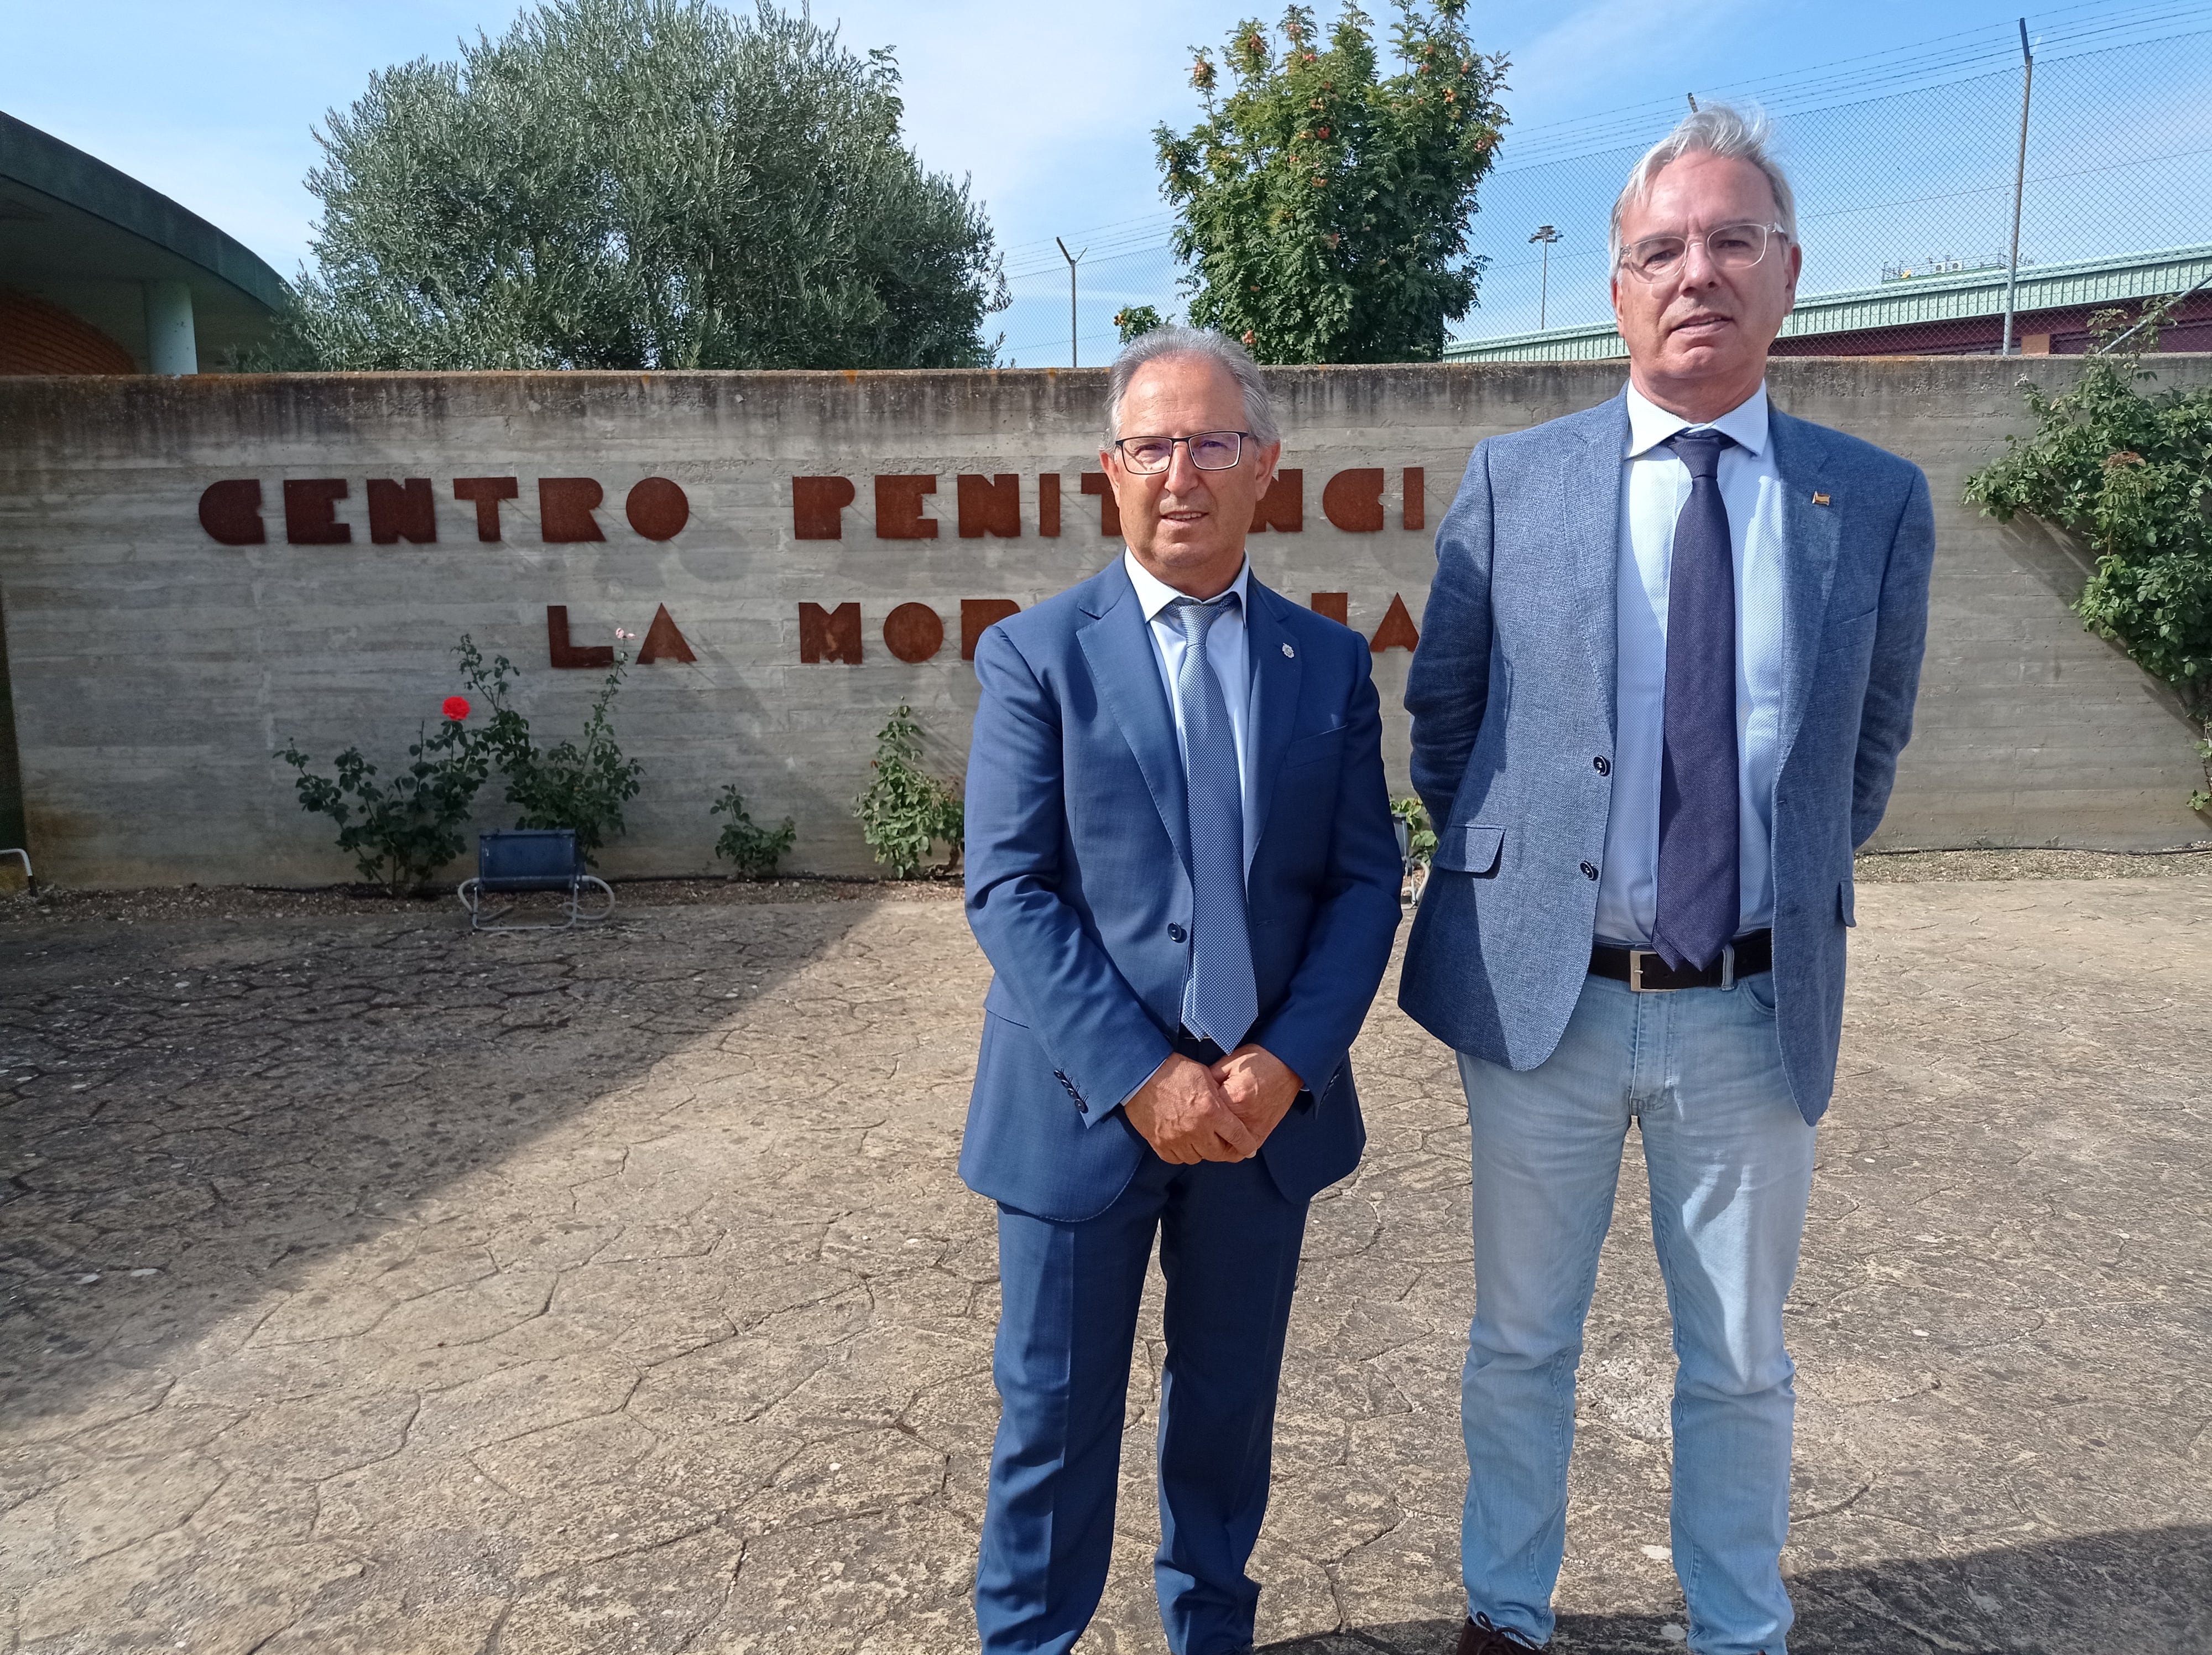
1228	1248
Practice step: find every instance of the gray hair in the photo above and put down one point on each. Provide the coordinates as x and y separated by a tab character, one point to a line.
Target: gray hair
1716	130
1163	343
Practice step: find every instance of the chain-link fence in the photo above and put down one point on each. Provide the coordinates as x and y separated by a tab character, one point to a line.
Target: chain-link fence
1904	165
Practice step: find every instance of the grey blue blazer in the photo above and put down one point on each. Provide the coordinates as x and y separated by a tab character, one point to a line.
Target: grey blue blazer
1512	694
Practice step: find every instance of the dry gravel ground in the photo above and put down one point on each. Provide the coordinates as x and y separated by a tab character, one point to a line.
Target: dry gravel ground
370	1286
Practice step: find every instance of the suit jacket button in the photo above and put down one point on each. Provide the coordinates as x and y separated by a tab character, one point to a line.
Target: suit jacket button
1081	1108
1176	933
1589	870
1601	765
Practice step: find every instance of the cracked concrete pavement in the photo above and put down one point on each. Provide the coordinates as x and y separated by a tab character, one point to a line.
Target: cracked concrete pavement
372	1287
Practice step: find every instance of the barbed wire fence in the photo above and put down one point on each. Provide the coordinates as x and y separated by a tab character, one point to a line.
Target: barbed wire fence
1903	164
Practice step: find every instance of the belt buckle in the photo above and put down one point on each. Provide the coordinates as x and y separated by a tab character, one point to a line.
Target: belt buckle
1637	956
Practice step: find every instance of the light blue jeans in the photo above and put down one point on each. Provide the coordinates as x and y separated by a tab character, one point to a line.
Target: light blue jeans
1730	1158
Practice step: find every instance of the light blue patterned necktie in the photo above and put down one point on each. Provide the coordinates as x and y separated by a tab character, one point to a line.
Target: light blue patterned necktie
1219	1000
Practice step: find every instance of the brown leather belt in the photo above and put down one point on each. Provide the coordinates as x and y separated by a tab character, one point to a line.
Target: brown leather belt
1646	971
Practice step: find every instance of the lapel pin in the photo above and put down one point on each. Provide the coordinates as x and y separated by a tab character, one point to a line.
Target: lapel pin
1290	652
1820	499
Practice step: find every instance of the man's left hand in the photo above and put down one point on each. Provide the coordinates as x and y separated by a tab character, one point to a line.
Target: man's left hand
1260	1087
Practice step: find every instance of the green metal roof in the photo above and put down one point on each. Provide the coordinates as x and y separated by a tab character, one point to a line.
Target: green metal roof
1898	304
72	179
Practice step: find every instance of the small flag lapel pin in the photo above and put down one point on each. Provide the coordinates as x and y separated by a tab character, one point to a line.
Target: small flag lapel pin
1820	499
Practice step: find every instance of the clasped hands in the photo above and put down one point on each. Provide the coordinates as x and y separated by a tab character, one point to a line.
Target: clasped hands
1190	1113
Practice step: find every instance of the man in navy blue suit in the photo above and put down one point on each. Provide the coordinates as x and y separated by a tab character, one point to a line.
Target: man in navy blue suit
1181	865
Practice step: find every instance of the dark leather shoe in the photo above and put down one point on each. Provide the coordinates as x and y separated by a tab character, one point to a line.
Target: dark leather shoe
1478	1637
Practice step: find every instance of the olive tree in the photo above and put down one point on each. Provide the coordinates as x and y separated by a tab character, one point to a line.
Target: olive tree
641	183
1323	205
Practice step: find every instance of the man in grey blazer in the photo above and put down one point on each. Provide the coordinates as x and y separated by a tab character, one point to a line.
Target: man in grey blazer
1668	663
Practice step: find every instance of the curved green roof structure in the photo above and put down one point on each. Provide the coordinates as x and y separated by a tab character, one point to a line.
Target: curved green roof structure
173	291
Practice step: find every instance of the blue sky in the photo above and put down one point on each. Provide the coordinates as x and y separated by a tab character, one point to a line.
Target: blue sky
1048	109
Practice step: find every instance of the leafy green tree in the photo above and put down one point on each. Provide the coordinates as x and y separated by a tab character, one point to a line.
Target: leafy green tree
2131	476
1324	210
1137	321
640	183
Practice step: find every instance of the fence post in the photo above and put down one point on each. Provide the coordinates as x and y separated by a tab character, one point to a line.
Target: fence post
2018	184
1074	355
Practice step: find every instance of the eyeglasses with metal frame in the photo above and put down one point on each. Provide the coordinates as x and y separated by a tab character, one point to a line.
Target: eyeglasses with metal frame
1210	451
1730	247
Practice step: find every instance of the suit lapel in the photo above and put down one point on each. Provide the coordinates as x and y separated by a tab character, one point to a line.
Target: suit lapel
1591	502
1811	537
1118	651
1276	670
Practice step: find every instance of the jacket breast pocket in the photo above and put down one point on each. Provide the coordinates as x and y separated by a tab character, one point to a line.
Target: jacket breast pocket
1322	745
1470	849
1850	637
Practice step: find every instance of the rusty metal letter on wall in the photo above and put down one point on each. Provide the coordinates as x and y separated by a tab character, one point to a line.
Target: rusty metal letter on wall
486	493
664	640
817	507
658	509
913	632
1353	500
989	505
565	505
231	512
898	508
400	511
977	616
1397	631
310	514
565	654
1109	509
1284	505
830	634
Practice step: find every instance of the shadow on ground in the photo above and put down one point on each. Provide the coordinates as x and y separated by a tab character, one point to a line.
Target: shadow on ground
193	1116
2148	1590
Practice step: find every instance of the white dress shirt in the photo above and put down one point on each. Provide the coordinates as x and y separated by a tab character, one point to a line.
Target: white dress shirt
1224	652
1656	485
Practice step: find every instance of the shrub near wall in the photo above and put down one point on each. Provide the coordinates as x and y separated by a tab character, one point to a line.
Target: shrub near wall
2130	474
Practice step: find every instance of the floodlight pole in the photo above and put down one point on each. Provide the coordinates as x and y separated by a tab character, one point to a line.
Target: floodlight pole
1073	259
2019	186
1547	236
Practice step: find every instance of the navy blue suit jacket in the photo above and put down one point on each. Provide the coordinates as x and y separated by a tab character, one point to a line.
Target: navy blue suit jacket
1080	889
1512	694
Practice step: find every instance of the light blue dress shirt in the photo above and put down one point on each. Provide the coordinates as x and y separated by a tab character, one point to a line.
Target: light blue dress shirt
1655	486
1226	653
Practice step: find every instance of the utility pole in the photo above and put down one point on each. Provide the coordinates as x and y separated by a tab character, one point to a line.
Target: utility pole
2018	184
1073	259
1547	236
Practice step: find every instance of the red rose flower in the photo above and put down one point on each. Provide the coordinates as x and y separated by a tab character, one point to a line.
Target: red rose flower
456	708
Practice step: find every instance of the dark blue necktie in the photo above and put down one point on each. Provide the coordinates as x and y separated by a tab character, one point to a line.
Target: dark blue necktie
1700	883
1220	1000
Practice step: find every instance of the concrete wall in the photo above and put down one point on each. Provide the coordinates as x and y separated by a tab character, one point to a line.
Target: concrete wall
156	670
